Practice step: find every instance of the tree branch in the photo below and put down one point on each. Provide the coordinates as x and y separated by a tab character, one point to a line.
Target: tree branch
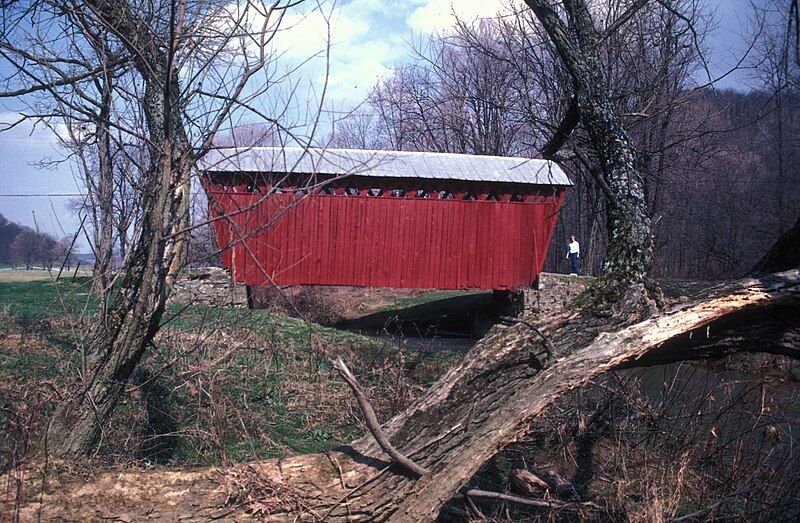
372	420
563	131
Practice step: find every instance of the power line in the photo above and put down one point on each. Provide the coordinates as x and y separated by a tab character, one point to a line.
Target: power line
37	195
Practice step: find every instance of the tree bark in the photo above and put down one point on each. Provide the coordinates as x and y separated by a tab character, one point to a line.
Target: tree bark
104	212
118	344
470	414
625	285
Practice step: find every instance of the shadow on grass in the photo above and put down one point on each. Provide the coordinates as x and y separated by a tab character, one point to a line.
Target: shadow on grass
462	316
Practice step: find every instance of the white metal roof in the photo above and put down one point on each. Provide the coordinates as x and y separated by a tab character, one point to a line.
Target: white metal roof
388	164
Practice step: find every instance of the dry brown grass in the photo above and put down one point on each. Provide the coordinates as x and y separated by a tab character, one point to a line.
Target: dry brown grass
20	275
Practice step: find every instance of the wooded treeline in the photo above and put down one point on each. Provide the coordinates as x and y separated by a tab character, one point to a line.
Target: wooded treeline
23	246
720	166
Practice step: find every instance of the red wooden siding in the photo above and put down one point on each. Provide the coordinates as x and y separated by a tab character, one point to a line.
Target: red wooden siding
383	241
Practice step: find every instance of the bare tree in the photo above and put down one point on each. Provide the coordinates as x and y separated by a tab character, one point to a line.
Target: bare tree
180	71
25	249
409	467
454	99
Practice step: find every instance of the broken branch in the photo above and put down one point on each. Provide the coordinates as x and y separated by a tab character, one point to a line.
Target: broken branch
372	420
587	505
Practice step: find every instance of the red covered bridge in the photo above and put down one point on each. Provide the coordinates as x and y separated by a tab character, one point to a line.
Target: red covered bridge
294	216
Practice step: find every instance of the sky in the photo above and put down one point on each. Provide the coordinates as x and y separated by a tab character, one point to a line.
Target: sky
369	37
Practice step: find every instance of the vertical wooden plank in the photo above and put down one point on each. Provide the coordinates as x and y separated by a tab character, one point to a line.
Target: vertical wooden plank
349	253
311	256
412	269
298	243
454	243
497	231
480	245
359	235
365	237
288	242
452	239
308	221
461	245
324	239
354	233
415	254
519	250
305	227
362	234
368	238
468	251
339	209
508	251
396	239
435	239
443	228
483	279
426	245
417	244
477	261
522	252
404	232
327	256
290	246
260	236
279	238
341	240
447	225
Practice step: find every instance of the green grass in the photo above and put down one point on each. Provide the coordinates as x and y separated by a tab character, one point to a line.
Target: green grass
42	299
276	394
403	303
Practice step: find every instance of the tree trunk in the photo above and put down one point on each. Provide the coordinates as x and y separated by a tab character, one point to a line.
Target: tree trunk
104	227
118	344
470	414
625	286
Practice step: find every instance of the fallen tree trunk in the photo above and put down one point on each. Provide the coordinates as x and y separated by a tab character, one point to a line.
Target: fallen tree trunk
471	413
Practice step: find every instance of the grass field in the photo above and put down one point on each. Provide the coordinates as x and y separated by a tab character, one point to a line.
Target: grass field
237	384
10	274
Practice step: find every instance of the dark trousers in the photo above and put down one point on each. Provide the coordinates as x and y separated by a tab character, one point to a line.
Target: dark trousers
574	264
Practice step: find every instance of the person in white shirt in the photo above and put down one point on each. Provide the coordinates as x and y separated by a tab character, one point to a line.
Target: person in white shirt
573	255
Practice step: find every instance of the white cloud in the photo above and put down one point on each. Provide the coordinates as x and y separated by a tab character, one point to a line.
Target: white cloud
303	35
362	46
440	15
26	133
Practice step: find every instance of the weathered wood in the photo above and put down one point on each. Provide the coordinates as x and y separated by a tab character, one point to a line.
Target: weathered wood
527	483
472	412
559	486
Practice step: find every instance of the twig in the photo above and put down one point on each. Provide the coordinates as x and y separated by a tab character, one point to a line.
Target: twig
372	420
475	510
476	493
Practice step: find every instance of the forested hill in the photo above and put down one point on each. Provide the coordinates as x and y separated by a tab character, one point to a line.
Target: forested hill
21	245
723	185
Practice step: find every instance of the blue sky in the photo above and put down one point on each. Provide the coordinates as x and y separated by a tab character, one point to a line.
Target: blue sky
369	37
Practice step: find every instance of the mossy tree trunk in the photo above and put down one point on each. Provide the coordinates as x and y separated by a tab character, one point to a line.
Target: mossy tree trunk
625	286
